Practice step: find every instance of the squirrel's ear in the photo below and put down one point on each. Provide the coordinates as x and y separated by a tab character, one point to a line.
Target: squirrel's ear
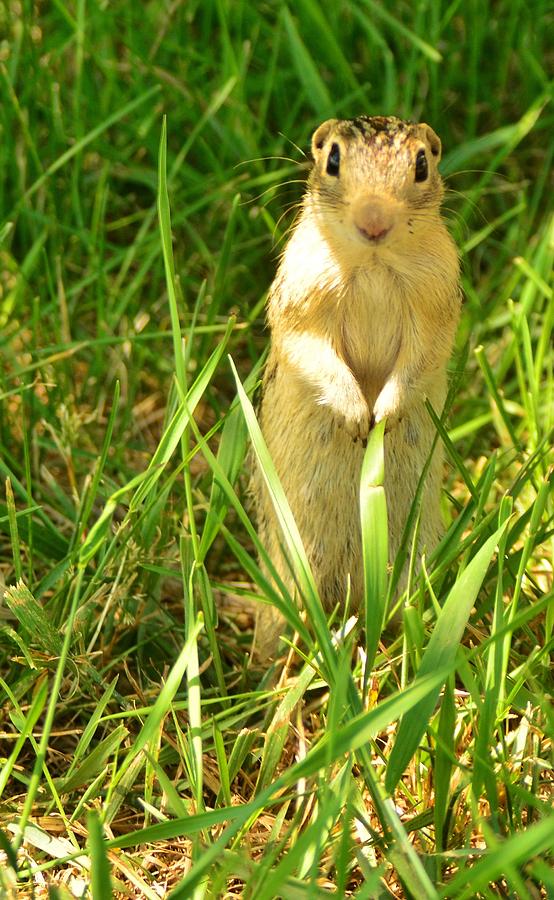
433	140
320	135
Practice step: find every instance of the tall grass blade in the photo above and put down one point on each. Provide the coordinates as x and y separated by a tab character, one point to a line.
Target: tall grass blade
14	531
291	534
373	510
164	216
483	766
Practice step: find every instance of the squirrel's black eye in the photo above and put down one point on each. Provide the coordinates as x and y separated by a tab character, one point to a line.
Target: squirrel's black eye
333	160
421	167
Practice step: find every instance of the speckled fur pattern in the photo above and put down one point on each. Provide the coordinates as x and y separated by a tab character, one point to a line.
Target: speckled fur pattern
363	312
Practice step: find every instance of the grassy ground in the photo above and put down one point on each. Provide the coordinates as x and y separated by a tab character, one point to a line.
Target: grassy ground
140	751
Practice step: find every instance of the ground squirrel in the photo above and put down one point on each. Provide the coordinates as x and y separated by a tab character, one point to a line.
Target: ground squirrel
363	312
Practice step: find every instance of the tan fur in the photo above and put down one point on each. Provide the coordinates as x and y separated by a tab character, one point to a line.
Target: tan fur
362	325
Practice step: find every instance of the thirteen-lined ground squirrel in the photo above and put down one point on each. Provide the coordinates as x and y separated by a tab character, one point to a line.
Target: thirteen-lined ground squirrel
363	312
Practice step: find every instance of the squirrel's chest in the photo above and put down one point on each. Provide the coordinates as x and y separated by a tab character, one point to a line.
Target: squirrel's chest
372	329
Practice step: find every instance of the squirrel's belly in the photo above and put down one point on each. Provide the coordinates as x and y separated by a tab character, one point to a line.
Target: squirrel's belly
372	331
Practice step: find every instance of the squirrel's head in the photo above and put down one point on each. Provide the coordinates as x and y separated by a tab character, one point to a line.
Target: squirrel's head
375	179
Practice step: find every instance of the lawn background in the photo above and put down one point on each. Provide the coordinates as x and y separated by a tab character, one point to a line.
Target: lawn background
135	739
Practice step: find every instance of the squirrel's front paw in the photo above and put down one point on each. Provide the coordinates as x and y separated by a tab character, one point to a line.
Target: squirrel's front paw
386	408
350	411
357	421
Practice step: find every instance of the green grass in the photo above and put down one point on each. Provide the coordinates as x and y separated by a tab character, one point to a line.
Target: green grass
150	159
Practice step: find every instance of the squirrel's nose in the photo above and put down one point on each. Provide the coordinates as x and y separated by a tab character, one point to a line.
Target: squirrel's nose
373	219
373	232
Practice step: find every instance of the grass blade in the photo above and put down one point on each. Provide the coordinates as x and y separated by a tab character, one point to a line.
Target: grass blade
307	71
290	531
373	509
14	531
164	217
395	24
440	652
100	877
174	432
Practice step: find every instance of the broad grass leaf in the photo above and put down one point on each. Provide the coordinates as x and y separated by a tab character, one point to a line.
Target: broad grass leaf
93	762
230	458
164	217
